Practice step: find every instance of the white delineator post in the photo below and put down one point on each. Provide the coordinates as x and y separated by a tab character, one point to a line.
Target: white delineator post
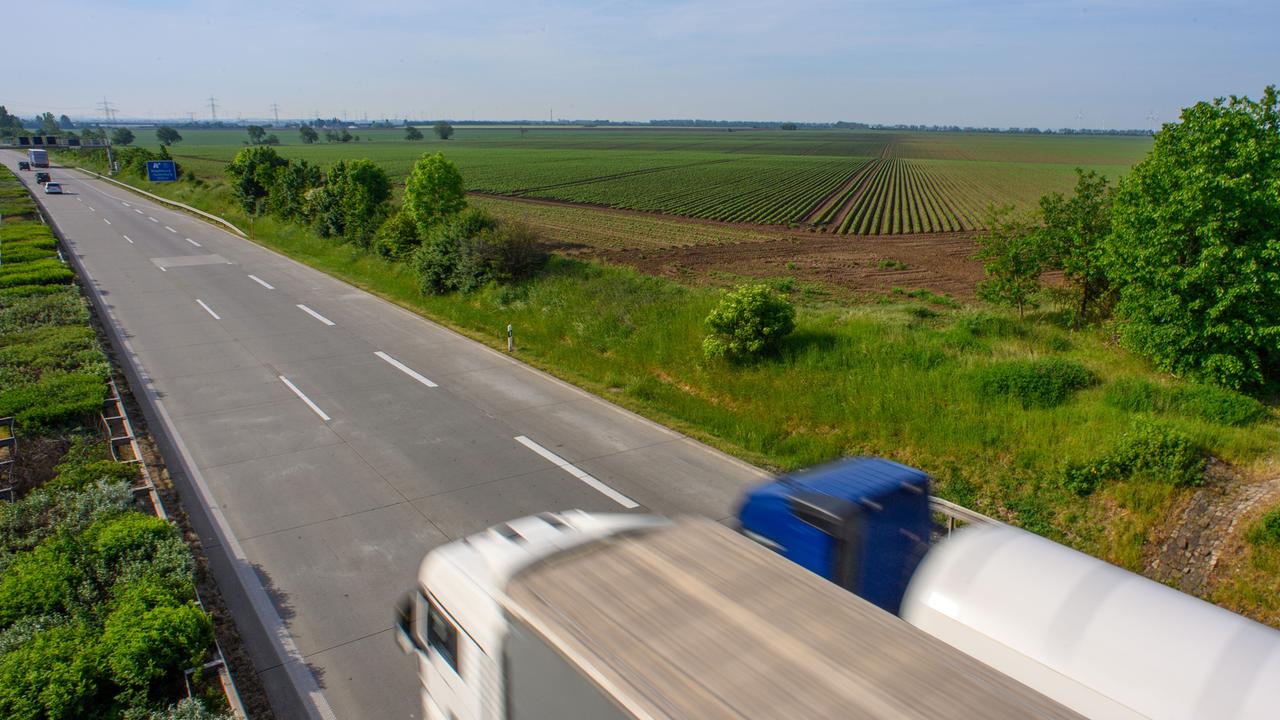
510	339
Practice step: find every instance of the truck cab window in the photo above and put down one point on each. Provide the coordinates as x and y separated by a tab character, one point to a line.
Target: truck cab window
442	636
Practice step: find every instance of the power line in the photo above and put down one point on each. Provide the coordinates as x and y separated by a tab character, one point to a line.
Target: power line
213	109
108	110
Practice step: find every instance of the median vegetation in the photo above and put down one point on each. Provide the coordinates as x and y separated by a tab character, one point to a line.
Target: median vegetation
98	617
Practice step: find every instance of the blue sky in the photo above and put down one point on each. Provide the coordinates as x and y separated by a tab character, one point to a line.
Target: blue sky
1045	64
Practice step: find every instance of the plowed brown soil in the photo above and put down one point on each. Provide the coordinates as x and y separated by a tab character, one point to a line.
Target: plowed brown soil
940	263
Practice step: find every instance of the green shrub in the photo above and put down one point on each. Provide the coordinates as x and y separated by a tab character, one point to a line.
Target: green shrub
23	291
39	272
1205	402
1266	532
150	634
54	347
437	261
1041	383
55	674
1150	450
61	307
127	537
398	237
84	474
46	512
748	322
509	252
986	325
56	400
40	581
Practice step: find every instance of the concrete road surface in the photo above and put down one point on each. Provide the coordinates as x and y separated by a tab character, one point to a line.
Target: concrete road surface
324	439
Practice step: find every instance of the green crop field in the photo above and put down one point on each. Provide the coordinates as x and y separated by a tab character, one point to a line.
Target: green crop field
839	181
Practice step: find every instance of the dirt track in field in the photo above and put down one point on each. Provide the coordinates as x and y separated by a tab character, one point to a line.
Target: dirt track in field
851	262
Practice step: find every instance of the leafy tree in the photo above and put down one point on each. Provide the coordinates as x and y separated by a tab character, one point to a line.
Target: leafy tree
788	126
309	134
48	124
508	252
1195	249
412	133
256	134
287	195
253	172
345	136
65	122
749	321
167	135
9	123
1074	238
331	136
443	130
122	136
1012	257
366	195
433	192
271	139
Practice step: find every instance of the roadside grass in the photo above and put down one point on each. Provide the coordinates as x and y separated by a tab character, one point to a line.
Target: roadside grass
897	378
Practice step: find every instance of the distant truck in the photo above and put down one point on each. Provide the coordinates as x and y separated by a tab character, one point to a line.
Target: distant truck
1101	640
38	157
571	615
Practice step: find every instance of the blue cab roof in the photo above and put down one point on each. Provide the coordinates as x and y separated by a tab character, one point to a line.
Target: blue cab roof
851	478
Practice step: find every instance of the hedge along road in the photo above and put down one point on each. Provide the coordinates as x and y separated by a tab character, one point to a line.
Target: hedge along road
331	439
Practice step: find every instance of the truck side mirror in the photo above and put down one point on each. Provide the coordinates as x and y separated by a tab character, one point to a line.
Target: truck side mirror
405	638
839	518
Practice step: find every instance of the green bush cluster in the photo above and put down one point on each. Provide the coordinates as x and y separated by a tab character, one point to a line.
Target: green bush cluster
748	322
473	249
1150	450
1039	383
52	371
97	612
132	160
1204	402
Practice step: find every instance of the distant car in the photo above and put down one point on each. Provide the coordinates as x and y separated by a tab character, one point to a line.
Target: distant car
52	188
42	177
24	165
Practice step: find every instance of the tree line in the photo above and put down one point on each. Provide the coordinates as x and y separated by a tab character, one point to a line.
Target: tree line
450	246
1181	257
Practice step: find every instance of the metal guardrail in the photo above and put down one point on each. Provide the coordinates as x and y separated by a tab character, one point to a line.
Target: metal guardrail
954	514
124	448
167	201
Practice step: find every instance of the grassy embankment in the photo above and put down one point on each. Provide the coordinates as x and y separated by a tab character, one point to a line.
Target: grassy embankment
914	377
97	597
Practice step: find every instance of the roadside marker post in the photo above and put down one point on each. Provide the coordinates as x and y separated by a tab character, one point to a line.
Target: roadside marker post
510	340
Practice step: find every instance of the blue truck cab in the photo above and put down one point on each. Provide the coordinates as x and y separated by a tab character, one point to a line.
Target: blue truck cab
861	522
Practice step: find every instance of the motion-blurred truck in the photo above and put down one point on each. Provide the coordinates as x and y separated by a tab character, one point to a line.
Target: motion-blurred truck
629	616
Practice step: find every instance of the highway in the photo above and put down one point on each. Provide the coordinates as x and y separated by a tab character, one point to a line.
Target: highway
324	439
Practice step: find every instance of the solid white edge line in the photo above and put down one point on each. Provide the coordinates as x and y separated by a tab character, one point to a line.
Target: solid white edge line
568	467
405	369
315	315
262	282
193	242
126	237
305	399
207	308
